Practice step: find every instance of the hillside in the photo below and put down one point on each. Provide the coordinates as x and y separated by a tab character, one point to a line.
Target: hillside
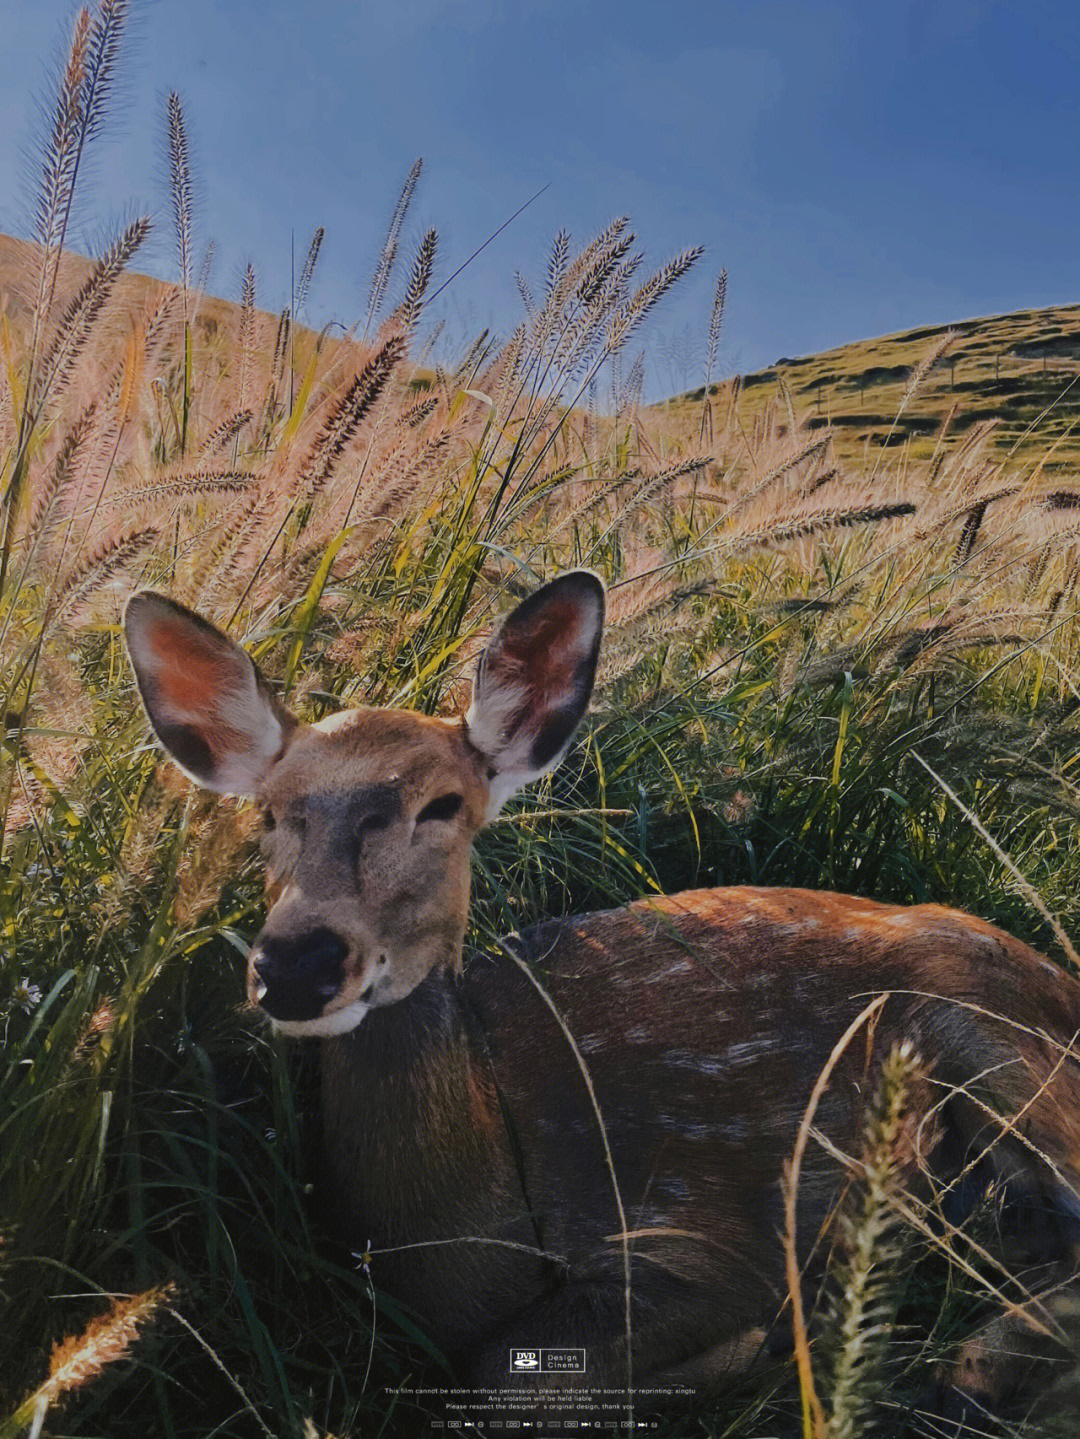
862	682
133	295
1021	370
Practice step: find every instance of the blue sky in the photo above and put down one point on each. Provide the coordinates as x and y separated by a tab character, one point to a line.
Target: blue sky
859	167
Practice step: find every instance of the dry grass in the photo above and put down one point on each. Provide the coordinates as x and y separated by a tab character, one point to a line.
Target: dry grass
829	661
79	1359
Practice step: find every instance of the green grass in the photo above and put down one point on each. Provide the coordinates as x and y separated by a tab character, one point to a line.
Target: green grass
1017	372
777	664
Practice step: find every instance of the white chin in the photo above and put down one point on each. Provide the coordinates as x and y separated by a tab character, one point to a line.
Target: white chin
338	1021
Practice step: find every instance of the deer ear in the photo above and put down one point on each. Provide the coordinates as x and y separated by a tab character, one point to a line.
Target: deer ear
534	680
209	705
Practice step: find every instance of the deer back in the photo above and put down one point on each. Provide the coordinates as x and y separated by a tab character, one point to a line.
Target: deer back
704	1019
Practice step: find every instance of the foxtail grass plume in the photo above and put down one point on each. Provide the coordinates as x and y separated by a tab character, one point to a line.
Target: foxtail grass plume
80	1359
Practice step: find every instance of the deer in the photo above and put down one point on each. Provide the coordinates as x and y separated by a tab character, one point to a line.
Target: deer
608	1097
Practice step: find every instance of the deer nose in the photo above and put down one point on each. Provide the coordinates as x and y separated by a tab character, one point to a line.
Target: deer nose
296	976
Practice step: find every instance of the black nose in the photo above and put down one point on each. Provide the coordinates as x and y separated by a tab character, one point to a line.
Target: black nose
299	974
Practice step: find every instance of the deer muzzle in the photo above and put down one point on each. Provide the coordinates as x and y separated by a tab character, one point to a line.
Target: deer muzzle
295	977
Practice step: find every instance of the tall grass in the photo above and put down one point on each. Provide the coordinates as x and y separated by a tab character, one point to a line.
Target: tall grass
787	641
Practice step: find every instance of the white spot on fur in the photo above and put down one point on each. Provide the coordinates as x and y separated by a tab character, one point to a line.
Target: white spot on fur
686	1128
713	1064
680	966
733	1129
751	1049
343	719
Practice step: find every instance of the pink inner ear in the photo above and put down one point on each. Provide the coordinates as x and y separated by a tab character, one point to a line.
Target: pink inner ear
549	649
187	676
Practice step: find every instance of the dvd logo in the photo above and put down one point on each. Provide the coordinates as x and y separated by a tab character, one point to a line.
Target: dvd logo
524	1359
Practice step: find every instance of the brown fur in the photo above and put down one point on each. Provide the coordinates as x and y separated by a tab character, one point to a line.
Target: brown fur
461	1139
704	1019
407	892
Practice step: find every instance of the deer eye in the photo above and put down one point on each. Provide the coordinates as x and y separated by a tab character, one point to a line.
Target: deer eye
443	808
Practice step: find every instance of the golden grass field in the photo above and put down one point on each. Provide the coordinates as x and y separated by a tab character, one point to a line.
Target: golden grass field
843	652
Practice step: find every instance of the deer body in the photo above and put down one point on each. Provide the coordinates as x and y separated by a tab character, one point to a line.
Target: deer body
704	1019
462	1141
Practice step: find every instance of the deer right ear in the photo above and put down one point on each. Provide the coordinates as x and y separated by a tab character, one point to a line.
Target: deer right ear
534	681
209	705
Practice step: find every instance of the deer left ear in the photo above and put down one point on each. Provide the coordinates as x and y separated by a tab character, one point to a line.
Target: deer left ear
209	705
534	682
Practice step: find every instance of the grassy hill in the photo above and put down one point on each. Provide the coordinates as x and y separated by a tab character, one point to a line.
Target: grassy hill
19	258
1019	371
809	679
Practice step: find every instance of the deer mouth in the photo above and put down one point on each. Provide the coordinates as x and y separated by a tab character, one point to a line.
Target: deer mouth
326	1025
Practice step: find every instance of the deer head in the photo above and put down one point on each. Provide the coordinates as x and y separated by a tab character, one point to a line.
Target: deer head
369	814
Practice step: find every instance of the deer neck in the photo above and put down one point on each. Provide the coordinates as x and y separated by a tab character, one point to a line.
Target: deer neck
411	1116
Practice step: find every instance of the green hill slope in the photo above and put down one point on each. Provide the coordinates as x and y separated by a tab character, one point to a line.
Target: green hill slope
1021	371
